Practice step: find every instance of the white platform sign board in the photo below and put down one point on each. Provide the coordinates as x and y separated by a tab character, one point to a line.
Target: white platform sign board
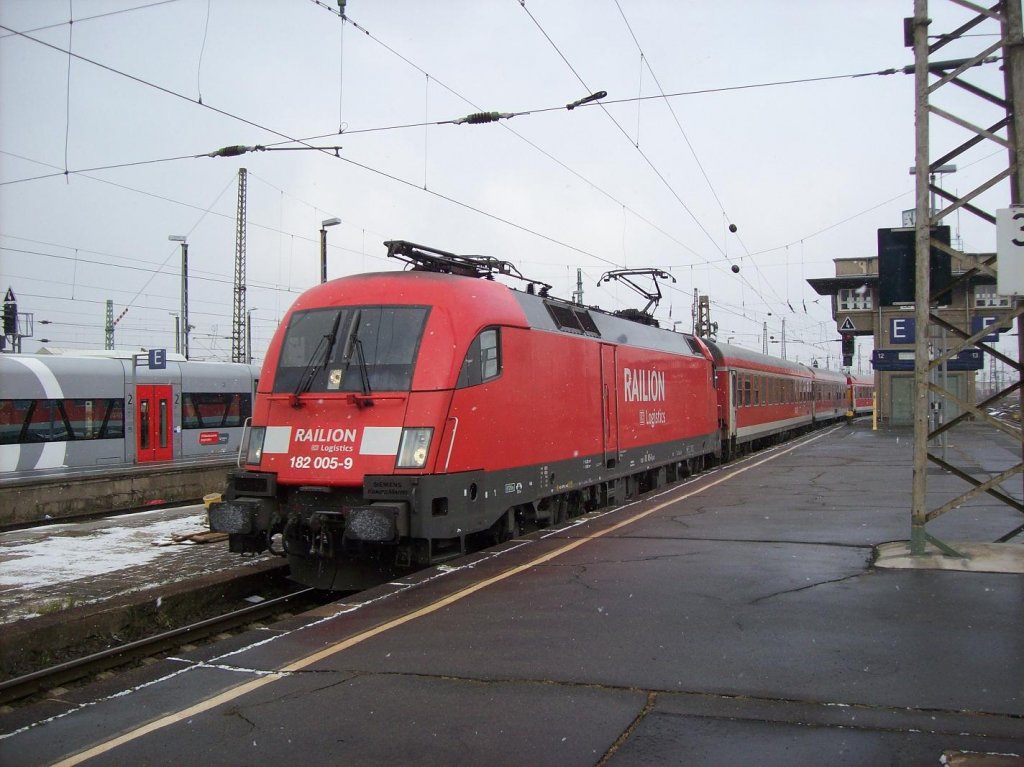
1010	251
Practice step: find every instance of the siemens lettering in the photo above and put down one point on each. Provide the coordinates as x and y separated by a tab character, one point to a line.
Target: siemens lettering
643	385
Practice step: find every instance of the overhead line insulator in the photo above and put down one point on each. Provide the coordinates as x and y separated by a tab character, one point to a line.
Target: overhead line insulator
477	118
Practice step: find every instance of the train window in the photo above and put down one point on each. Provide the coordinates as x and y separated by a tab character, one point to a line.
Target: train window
483	360
27	421
586	322
143	424
214	410
163	422
747	387
571	319
351	349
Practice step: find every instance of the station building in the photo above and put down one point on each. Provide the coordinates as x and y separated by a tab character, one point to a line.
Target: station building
857	311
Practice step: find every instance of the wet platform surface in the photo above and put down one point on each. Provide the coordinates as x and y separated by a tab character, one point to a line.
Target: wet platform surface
735	619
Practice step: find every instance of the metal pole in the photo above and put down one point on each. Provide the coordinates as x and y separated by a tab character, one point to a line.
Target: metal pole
323	255
1013	78
184	299
109	334
922	223
248	337
177	334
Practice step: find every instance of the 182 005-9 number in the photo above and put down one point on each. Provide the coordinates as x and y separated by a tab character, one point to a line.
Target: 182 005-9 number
320	462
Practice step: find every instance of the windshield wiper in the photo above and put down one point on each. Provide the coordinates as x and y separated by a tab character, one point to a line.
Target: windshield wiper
354	347
364	372
313	367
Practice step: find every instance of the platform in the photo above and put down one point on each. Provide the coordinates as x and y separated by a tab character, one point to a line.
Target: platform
735	619
33	498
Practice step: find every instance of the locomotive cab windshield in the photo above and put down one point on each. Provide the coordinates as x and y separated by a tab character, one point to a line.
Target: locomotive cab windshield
350	349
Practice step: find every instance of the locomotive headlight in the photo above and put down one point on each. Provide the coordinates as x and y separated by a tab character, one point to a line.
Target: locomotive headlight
413	449
254	445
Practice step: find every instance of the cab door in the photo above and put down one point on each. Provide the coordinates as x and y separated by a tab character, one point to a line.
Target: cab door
609	406
153	421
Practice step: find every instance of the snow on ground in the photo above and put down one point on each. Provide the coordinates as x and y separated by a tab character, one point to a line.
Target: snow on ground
57	566
55	555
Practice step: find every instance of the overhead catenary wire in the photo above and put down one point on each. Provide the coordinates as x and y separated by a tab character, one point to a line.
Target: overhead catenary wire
647	159
564	166
306	145
644	155
693	152
148	84
94	17
294	140
622	130
426	76
192	206
645	62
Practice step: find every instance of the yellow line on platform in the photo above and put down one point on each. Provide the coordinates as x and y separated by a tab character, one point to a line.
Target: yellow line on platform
251	686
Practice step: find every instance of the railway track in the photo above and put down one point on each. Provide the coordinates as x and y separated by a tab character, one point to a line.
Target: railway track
22	687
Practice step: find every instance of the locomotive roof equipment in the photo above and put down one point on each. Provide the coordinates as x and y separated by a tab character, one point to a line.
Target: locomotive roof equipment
653	296
427	259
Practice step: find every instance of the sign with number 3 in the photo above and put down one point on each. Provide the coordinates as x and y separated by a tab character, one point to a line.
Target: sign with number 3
1010	250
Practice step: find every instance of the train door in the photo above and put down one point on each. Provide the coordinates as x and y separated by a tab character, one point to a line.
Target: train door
733	395
153	419
609	406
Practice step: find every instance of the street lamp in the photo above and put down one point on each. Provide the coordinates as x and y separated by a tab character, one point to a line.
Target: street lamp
323	245
248	333
184	290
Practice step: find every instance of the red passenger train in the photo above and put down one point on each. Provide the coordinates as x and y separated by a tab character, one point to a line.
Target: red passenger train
404	417
861	396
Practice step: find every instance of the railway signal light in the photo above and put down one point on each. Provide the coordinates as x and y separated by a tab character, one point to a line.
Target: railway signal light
10	319
848	346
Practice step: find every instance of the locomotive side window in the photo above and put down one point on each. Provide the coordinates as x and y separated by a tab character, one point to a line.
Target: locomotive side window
351	349
25	421
572	320
483	360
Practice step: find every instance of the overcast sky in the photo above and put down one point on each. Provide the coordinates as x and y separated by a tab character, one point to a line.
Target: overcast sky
807	170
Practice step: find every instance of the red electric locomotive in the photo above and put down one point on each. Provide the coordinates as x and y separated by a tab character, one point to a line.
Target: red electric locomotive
400	415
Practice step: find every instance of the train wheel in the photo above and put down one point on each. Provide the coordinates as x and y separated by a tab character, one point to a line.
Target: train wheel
509	526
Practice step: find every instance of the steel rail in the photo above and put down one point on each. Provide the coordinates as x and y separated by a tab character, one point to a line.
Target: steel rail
29	684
